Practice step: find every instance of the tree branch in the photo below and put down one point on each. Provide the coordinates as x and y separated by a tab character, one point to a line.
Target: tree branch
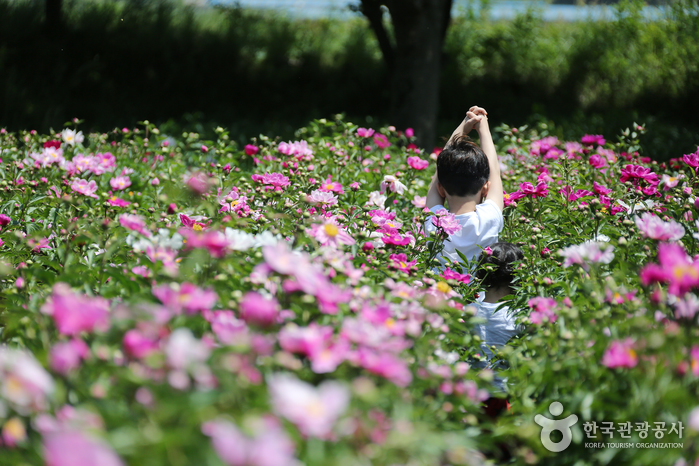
371	9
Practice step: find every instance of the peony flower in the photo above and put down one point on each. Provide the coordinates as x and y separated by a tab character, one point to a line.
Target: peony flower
184	351
117	202
392	184
330	186
676	268
269	445
331	234
651	226
186	297
214	242
593	139
400	262
692	159
139	345
120	183
272	181
24	383
512	197
314	411
83	187
381	141
134	223
637	172
299	149
66	356
419	201
251	149
377	198
670	182
74	448
75	313
258	310
385	365
620	354
542	310
540	190
446	222
417	163
13	432
71	137
587	253
322	197
365	133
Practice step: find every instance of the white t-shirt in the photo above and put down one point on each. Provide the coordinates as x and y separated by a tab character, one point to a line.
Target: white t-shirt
496	330
479	230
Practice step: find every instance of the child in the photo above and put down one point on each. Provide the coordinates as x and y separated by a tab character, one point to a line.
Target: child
468	178
499	324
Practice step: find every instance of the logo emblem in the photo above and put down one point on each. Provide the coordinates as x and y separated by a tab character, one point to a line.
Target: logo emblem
562	425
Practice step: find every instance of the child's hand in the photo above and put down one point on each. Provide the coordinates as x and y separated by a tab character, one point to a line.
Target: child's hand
474	116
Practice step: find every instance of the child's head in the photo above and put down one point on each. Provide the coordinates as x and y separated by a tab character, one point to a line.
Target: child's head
462	168
503	257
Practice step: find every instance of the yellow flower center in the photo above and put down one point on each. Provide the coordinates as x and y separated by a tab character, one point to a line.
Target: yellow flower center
403	264
390	322
632	353
682	271
197	227
15	429
328	187
443	287
331	230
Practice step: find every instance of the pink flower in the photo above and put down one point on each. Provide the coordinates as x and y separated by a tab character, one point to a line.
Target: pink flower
187	297
117	202
541	190
419	201
574	195
620	354
298	149
694	360
542	310
692	159
592	139
4	220
449	274
587	253
599	189
313	410
381	141
637	172
331	234
400	262
331	186
24	383
512	197
687	307
354	186
66	356
322	197
275	181
184	351
138	344
83	187
385	365
134	223
191	222
676	268
214	242
120	183
198	182
74	313
269	445
13	432
417	163
409	133
670	182
258	310
446	222
651	226
392	184
365	133
251	150
73	448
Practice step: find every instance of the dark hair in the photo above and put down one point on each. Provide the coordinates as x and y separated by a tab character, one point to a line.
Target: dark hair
462	167
503	257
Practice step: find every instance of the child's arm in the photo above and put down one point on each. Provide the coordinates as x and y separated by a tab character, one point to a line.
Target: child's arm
473	116
433	196
495	191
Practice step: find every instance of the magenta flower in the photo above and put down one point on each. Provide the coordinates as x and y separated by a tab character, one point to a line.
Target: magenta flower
120	183
331	234
74	313
651	226
540	190
385	365
185	297
66	356
117	202
305	340
313	410
446	222
214	242
620	354
251	150
74	448
258	310
601	190
449	274
692	159
331	186
381	141
400	262
269	445
138	344
512	197
637	172
574	195
134	223
4	220
83	187
592	139
298	149
542	310
417	163
198	182
274	181
676	268
393	238
365	133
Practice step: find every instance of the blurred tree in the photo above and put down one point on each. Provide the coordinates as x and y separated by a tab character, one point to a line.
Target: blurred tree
413	55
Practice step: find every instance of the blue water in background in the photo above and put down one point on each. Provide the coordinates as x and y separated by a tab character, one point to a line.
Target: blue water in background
498	9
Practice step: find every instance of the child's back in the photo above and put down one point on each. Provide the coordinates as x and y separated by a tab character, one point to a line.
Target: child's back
468	179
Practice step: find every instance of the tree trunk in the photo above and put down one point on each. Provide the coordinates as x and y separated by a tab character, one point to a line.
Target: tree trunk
414	61
53	14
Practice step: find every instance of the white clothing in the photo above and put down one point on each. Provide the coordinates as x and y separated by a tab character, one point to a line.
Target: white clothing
496	330
479	230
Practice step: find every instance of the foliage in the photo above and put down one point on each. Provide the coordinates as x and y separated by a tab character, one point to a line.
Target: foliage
170	284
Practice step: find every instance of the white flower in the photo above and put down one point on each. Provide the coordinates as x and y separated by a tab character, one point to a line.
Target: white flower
239	240
71	137
391	183
266	239
376	198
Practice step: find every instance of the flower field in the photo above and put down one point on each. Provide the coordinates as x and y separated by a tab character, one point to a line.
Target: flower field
169	300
